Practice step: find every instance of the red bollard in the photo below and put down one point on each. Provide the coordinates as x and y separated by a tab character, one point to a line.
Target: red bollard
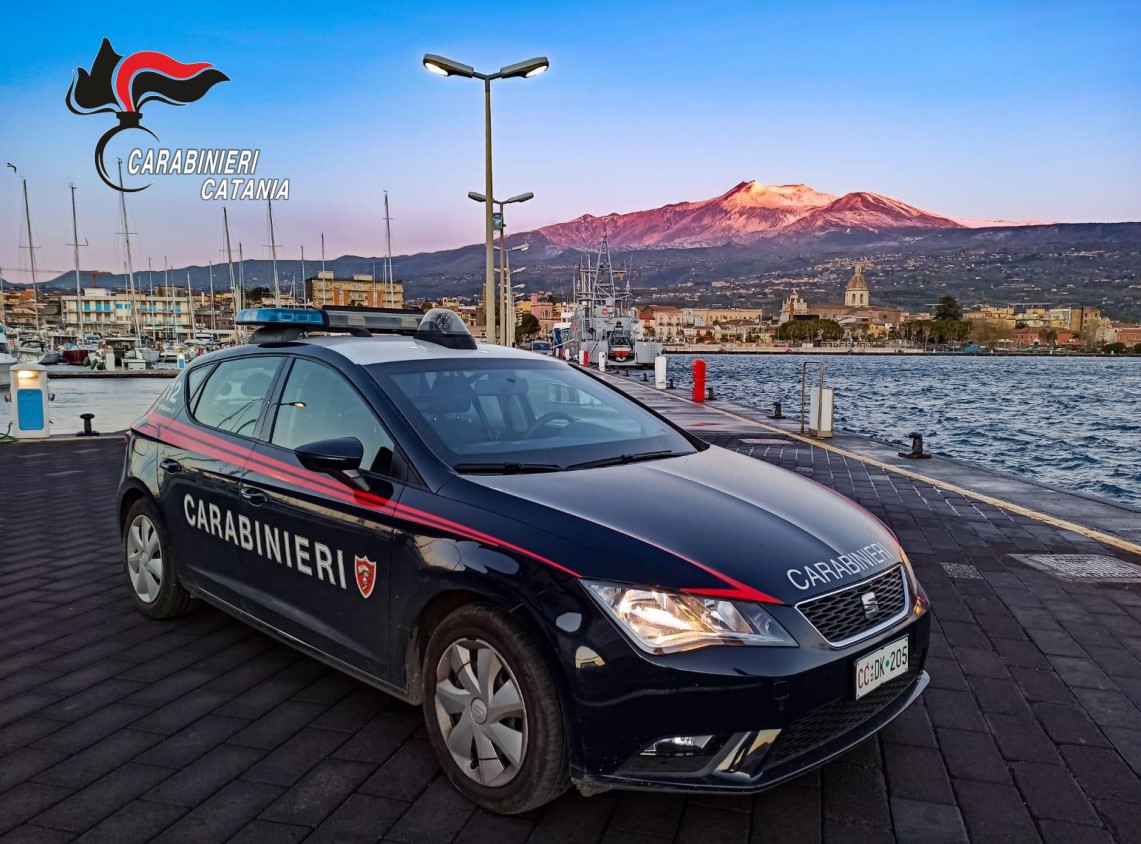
699	380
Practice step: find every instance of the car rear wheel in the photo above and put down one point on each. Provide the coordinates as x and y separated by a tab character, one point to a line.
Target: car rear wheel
493	712
150	565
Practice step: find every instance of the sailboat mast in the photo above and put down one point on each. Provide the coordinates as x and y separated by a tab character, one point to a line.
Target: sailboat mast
273	256
389	287
241	270
213	309
130	266
303	269
322	252
32	257
235	293
78	286
190	302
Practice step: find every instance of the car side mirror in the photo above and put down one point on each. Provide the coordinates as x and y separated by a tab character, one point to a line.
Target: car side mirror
340	457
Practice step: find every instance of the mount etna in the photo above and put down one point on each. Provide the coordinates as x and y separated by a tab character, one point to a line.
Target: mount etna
753	243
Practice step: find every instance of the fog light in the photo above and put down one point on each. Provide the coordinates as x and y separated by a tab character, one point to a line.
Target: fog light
680	746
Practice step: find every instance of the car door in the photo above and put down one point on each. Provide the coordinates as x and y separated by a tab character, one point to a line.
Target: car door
319	564
204	451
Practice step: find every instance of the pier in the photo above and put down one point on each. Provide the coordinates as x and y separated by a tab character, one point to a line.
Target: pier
113	727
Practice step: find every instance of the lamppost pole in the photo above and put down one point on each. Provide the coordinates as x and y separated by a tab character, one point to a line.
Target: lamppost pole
525	69
489	224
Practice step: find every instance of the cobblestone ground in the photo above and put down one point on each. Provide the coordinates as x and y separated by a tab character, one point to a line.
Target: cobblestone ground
115	728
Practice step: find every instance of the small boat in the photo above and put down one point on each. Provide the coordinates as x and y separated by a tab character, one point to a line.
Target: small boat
620	349
76	356
51	359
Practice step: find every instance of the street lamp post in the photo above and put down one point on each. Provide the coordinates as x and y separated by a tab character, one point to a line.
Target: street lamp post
502	337
525	69
508	291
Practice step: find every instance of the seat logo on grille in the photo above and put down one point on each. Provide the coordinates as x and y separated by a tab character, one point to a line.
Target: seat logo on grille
871	606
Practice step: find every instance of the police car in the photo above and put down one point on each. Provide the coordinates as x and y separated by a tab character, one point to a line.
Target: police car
574	589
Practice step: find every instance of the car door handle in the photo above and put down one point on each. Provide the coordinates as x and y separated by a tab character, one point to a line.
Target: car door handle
168	464
254	496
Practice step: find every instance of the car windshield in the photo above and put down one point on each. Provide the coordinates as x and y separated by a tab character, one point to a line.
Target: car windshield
507	416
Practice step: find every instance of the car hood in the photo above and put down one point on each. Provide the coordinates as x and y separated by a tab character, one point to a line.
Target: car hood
715	522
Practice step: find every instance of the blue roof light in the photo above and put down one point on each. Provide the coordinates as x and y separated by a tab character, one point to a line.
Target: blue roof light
280	316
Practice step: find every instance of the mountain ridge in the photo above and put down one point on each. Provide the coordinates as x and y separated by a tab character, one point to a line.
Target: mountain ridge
747	212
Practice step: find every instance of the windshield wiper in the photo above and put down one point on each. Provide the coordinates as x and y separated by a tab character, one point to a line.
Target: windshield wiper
505	468
622	459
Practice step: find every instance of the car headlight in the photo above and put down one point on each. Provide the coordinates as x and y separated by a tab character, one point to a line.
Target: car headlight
664	622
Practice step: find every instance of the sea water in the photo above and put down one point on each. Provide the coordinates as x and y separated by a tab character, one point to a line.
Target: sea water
1071	422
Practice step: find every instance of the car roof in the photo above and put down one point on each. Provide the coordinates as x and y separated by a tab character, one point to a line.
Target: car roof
393	348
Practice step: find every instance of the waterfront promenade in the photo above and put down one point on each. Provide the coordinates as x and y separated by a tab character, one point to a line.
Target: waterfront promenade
116	728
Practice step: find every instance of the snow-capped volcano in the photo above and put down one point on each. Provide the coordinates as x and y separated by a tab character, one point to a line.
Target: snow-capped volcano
747	212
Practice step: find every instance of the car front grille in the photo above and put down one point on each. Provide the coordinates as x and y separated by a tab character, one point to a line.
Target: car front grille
833	719
842	617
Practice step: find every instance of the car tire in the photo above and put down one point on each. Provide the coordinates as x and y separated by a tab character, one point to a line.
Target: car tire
505	757
151	566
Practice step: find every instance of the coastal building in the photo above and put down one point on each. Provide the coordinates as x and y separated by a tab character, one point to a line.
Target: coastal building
856	314
326	289
730	325
1130	335
113	312
546	312
998	316
1029	337
661	322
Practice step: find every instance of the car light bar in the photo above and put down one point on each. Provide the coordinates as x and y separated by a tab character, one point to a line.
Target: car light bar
439	325
374	319
280	316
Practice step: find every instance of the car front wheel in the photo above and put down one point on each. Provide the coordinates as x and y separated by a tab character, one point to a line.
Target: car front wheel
150	565
493	712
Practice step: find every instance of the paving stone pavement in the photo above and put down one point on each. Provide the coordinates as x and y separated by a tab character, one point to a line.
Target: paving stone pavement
116	728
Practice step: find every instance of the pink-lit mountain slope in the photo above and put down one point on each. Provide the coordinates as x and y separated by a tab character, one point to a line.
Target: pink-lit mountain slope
748	212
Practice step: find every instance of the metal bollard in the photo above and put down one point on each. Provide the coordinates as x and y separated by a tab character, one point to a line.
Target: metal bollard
709	394
776	414
670	384
87	431
645	379
916	452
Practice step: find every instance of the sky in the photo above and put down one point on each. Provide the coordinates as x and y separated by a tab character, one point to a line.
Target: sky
986	110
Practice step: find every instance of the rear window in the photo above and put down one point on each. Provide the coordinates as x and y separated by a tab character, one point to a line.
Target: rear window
235	393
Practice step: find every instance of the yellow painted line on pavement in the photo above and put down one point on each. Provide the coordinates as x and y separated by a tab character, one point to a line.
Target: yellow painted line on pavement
1100	536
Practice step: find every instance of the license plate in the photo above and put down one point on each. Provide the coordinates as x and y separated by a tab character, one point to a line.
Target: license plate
876	668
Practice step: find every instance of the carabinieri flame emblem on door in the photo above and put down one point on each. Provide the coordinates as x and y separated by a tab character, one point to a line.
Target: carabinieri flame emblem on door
365	570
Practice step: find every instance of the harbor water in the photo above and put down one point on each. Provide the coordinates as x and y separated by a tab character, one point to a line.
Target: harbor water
1069	422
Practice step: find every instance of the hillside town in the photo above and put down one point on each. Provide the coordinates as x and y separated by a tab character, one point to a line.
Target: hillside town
859	321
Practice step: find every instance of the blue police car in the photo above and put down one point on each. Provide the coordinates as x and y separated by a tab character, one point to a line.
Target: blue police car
574	589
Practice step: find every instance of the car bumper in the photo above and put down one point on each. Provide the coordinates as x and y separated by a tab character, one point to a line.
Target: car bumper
773	713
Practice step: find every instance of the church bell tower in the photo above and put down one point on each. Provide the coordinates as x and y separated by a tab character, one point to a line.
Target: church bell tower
856	295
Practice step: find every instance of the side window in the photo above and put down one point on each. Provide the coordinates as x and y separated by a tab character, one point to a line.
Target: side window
319	404
195	378
234	394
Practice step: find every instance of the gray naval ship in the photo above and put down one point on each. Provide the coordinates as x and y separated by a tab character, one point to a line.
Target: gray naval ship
602	321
